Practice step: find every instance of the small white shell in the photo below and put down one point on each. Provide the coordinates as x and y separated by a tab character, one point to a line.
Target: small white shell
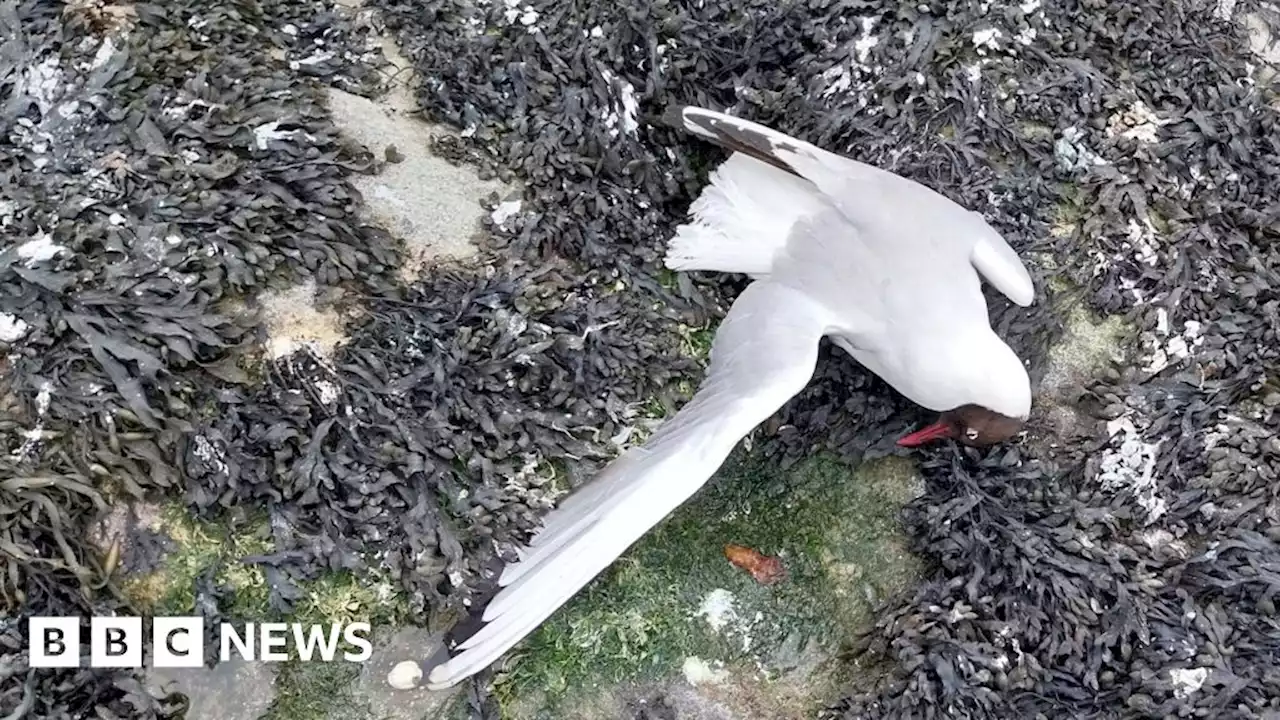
405	675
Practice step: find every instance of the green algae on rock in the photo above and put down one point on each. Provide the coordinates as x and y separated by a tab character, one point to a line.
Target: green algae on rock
200	548
205	547
673	604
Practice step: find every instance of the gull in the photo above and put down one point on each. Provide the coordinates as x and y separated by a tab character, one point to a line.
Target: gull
886	268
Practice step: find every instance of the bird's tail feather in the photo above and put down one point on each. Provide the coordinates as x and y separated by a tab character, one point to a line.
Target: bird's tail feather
742	219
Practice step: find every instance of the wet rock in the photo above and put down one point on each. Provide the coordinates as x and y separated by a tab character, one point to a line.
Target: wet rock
389	683
293	323
1080	358
721	642
131	539
233	690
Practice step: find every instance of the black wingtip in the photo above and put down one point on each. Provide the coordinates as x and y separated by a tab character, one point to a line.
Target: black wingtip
438	657
731	137
735	137
474	620
673	117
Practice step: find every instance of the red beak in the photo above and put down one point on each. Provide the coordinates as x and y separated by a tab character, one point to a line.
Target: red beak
936	431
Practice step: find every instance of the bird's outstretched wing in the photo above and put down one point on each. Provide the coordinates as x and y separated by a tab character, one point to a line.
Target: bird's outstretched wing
863	192
764	352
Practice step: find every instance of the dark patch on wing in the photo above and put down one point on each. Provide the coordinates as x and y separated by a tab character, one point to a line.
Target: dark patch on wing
738	139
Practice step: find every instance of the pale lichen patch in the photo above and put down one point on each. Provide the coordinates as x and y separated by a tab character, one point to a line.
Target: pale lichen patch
1086	347
700	672
1186	681
1129	466
1086	350
293	322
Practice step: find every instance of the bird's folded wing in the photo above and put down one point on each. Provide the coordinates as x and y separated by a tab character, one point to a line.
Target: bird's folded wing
862	192
764	353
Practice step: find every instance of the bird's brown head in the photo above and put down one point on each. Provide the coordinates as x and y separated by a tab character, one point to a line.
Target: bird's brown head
972	425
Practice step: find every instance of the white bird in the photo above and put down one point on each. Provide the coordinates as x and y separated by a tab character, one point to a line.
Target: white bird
885	267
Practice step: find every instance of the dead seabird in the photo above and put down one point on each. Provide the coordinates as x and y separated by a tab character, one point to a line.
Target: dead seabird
885	267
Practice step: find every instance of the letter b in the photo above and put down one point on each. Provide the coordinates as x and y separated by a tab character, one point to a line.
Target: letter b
115	642
53	642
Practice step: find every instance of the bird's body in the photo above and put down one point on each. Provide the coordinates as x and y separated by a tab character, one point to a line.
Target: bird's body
883	296
885	267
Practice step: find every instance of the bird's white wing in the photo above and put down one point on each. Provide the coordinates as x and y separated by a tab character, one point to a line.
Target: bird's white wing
864	192
764	352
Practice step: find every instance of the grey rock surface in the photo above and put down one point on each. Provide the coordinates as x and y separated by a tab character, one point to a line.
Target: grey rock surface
432	205
232	690
387	703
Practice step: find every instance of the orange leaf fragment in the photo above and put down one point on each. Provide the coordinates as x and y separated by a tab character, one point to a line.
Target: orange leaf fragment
766	569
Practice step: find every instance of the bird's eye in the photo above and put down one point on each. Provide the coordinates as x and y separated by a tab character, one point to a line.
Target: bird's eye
971	433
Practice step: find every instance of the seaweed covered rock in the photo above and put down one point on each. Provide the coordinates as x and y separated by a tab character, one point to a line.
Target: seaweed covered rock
163	164
156	166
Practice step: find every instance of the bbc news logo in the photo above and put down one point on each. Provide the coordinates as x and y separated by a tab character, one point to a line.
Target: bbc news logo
178	642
